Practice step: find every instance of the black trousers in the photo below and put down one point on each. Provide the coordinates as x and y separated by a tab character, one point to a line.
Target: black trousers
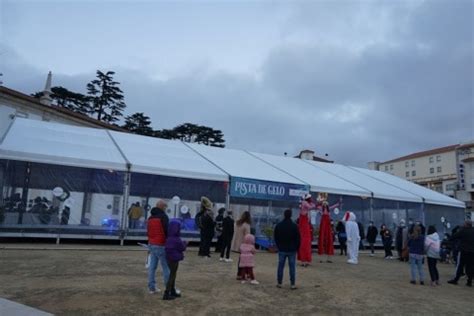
388	249
343	246
372	248
432	268
225	247
205	245
219	243
461	262
468	258
173	265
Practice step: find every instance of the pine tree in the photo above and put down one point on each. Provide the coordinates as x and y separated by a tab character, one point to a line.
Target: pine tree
138	123
70	100
107	98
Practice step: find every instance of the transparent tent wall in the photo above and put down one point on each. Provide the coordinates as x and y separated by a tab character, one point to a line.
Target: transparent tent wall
390	213
147	189
49	196
453	216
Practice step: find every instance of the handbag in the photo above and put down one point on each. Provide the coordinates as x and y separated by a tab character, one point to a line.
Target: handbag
405	253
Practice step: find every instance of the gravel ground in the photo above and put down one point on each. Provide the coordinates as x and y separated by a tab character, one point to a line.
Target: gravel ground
95	280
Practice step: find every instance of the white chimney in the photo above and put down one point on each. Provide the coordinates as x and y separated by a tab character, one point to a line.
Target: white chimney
46	97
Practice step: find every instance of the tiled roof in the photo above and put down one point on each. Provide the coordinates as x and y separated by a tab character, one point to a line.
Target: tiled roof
424	153
63	111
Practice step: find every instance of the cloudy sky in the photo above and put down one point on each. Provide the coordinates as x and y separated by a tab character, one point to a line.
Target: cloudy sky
359	80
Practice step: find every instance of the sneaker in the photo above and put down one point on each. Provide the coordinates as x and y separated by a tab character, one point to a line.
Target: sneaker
254	282
422	283
453	281
469	284
243	282
151	291
293	287
175	293
221	259
279	286
228	260
372	255
167	296
413	282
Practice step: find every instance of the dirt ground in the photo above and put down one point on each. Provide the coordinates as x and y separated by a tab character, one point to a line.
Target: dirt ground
111	280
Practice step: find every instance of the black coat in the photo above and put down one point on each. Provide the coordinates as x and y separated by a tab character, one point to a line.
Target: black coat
207	225
287	236
227	228
372	234
466	239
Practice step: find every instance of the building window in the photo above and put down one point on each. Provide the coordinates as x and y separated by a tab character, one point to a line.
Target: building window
439	169
431	159
413	163
413	173
407	174
391	167
386	168
407	164
438	158
431	170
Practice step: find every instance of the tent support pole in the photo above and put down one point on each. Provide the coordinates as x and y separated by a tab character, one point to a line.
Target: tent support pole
371	207
126	193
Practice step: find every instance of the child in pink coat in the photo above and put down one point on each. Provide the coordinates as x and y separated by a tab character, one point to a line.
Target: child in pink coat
247	253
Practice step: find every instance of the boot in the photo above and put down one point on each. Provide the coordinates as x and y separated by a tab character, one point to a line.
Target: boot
167	296
174	293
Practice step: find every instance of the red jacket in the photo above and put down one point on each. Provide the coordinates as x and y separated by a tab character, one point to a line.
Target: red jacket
157	228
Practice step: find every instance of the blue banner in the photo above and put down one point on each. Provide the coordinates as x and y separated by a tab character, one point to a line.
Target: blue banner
265	190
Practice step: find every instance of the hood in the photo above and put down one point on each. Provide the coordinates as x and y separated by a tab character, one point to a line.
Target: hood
249	239
349	217
174	229
434	236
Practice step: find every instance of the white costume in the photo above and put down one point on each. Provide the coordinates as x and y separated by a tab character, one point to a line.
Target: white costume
353	237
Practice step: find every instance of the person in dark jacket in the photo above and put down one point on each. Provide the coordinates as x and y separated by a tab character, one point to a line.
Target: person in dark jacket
206	226
416	249
466	244
174	248
227	234
387	240
287	240
372	233
361	234
218	222
342	237
157	230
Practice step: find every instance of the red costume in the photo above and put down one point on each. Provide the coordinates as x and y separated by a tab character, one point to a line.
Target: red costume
326	237
304	227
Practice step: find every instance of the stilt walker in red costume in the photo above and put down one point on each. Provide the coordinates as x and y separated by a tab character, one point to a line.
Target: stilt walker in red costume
326	236
304	227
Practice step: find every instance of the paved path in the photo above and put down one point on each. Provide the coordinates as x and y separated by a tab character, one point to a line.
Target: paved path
8	308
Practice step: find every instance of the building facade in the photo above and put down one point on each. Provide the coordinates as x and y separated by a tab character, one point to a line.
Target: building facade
17	104
448	170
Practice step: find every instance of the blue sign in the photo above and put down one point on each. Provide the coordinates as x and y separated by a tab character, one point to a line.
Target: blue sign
265	190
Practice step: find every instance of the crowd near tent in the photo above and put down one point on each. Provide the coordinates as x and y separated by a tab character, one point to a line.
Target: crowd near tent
66	181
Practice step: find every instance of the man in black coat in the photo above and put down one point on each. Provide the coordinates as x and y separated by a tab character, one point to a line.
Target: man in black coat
466	245
287	239
227	234
372	233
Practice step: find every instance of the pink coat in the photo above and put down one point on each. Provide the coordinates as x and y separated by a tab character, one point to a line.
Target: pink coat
247	252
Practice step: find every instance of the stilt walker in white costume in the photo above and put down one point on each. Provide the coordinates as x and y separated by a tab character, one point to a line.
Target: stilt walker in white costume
353	237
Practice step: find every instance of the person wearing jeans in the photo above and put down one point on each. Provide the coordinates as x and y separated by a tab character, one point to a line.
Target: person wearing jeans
157	230
287	240
416	244
157	255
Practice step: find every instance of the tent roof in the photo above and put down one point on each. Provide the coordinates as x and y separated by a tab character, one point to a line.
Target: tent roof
239	163
319	179
379	188
430	196
165	157
54	143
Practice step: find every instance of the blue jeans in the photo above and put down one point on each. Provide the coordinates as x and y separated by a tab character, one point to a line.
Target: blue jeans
133	223
157	254
416	263
281	266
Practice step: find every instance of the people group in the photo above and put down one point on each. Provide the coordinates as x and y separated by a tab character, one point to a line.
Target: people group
294	242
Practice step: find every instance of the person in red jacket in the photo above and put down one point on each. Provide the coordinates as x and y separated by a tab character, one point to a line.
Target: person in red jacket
157	229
